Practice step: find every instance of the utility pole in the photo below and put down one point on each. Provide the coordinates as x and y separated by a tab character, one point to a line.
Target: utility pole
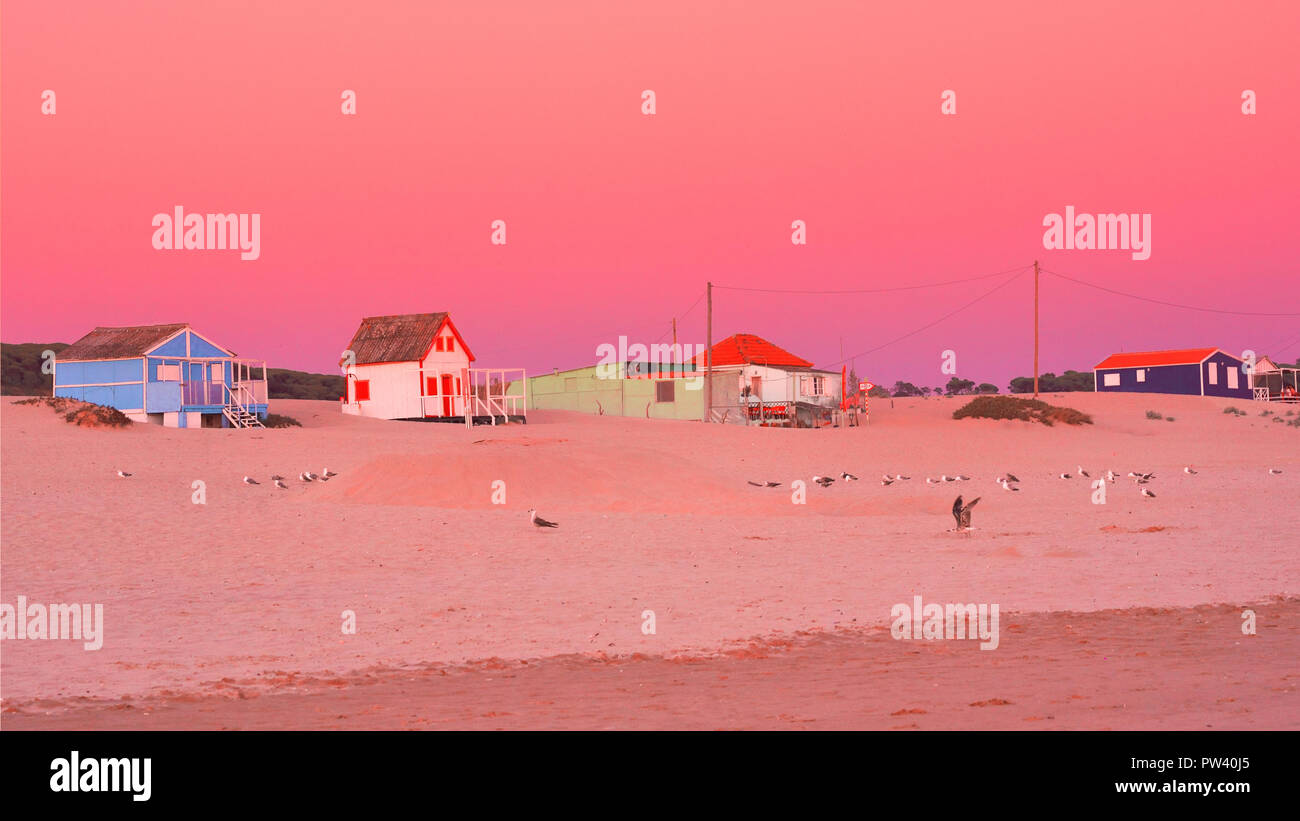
1035	329
708	357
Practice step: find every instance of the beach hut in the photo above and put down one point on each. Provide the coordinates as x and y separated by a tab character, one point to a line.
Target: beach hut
1271	382
165	374
1188	371
772	385
417	366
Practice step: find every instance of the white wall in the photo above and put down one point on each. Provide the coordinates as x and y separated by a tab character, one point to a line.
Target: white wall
395	387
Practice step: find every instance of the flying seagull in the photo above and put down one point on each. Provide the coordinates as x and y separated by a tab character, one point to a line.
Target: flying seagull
124	475
248	480
962	512
538	520
1188	470
1147	493
848	477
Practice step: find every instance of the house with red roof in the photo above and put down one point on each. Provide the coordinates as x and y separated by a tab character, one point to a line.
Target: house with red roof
1188	371
770	380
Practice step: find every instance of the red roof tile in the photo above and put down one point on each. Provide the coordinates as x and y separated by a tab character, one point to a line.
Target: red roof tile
748	349
1142	359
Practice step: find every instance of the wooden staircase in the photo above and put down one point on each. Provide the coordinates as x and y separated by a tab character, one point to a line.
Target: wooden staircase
236	409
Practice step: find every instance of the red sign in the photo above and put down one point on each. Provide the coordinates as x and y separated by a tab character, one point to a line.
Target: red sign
865	386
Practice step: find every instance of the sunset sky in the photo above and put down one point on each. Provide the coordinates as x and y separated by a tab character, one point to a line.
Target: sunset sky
767	112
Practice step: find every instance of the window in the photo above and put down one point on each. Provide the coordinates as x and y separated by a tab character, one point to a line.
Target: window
169	373
437	344
1214	373
1110	380
1142	374
362	390
218	372
1232	379
451	343
665	392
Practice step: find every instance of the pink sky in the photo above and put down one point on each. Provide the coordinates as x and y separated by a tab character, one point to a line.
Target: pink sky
767	112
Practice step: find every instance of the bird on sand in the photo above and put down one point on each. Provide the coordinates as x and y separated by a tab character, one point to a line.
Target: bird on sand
930	481
764	484
1274	471
1110	476
824	481
848	477
304	477
326	472
1084	473
123	475
248	480
961	512
1011	477
886	482
1147	493
538	520
1007	486
311	477
1066	476
275	477
280	484
1188	470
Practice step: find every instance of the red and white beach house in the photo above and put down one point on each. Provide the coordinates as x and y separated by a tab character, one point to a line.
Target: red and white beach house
417	366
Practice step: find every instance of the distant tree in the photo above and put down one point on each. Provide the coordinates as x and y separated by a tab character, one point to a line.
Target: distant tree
20	368
926	391
957	386
906	389
851	389
1051	383
985	387
878	392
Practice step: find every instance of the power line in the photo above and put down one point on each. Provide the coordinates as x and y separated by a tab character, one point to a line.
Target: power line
1162	302
871	290
948	315
682	316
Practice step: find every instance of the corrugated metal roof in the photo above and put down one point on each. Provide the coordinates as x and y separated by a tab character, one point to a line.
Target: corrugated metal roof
1142	359
118	343
748	349
397	338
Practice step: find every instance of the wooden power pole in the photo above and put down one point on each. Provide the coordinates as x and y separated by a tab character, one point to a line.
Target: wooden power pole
1035	329
708	357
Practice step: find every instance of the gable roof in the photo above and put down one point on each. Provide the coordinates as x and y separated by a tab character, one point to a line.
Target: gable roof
119	343
400	338
1143	359
749	349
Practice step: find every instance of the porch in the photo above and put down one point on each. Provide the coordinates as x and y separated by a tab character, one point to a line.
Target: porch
230	387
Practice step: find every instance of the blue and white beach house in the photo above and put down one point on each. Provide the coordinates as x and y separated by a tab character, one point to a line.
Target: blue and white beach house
165	374
1191	371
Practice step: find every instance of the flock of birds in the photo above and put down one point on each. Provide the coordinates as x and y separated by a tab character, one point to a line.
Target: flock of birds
306	476
1009	482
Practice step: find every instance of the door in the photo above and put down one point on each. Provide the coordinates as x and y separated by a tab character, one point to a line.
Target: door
446	394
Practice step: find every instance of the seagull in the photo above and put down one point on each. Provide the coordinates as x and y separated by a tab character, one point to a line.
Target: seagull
125	475
538	520
1066	476
930	481
755	484
1273	471
886	482
304	477
1147	493
961	478
900	476
250	481
824	481
848	477
962	513
277	478
945	477
311	477
328	473
280	484
1110	476
1007	486
1188	470
773	484
1011	477
1084	473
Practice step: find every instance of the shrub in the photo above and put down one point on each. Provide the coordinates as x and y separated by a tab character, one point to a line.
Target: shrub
1025	410
279	420
1169	418
1154	415
84	414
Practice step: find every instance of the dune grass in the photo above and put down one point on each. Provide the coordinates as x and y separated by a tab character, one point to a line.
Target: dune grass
1025	410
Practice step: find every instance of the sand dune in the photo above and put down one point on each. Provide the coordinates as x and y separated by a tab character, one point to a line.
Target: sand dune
250	586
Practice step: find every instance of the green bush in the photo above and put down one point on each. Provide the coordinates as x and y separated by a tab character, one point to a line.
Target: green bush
1154	415
1025	410
279	420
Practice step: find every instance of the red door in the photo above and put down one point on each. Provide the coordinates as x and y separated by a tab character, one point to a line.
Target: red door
446	394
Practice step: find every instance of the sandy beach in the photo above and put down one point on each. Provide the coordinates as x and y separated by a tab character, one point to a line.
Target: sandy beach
767	613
